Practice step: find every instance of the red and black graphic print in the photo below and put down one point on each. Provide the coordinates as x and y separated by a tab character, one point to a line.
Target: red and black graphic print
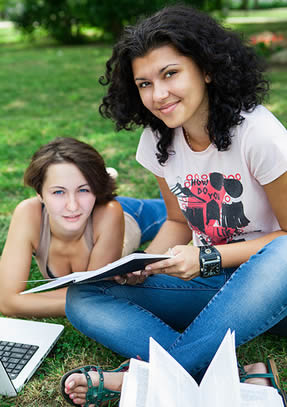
211	204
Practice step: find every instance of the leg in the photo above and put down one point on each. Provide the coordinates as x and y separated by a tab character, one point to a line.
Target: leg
252	301
148	213
124	317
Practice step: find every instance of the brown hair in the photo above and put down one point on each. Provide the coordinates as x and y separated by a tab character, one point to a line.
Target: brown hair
82	155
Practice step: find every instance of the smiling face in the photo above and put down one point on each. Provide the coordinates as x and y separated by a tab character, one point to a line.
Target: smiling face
172	87
67	197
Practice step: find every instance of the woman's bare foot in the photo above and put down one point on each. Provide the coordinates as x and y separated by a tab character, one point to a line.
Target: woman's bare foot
76	384
257	368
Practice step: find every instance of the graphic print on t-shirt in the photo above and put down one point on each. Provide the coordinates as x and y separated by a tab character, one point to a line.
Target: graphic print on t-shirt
211	204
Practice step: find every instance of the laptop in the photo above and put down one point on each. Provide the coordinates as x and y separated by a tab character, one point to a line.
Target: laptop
26	343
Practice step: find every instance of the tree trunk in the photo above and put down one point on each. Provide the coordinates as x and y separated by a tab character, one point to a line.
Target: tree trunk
244	5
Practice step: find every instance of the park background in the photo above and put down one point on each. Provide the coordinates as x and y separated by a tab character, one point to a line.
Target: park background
52	54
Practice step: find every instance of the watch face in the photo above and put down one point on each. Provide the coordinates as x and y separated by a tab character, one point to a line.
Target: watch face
210	262
211	269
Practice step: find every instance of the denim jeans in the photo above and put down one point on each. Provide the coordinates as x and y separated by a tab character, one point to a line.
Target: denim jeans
148	213
188	318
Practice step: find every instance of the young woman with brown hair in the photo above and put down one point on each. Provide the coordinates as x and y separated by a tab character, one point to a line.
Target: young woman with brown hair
75	223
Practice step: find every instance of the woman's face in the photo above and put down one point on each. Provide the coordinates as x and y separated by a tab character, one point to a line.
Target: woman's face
172	87
67	196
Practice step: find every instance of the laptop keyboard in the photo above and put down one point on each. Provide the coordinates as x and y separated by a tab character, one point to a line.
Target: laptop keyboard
14	356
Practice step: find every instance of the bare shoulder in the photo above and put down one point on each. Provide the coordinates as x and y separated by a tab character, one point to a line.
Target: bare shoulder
111	209
108	214
27	218
29	205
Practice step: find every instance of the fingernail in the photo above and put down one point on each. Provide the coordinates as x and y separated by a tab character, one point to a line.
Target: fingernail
148	268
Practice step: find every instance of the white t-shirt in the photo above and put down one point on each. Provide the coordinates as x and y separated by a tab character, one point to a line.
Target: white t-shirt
220	192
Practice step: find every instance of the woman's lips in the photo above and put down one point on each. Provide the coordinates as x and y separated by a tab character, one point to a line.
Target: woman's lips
168	108
72	218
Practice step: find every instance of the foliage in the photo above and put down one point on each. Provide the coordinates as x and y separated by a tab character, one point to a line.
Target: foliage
65	20
256	4
267	43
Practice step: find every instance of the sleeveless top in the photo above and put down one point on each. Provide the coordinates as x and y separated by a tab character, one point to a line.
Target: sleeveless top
41	255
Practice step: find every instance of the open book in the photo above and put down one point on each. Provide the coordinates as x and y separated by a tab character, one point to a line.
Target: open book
127	264
163	382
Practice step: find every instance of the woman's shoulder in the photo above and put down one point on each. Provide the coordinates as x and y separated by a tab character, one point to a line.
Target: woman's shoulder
262	119
28	215
108	214
29	206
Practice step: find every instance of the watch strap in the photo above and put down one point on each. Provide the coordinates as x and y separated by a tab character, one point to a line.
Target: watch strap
210	261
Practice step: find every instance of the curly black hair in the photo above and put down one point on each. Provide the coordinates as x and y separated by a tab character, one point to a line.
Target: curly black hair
236	72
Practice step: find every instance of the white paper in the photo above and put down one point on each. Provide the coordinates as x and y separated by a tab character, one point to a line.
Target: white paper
253	395
163	382
220	384
135	384
169	383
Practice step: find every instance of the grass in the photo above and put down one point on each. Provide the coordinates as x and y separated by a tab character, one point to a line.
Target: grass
48	91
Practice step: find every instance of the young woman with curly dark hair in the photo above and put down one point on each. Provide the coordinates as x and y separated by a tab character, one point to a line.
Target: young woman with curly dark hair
220	159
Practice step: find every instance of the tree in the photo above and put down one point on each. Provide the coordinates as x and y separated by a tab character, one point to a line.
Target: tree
64	19
244	4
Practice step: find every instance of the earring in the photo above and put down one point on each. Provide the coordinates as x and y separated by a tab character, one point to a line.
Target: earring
207	79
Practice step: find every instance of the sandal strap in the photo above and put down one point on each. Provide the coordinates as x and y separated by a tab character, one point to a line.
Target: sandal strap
246	376
97	394
84	370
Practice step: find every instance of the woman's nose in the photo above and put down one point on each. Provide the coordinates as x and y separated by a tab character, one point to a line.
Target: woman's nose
160	92
72	203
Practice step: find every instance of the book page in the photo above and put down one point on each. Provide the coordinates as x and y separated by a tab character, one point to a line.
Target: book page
253	395
169	384
127	264
56	283
135	384
220	384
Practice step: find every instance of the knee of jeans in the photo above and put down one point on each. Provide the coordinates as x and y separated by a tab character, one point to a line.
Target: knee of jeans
276	251
269	263
72	295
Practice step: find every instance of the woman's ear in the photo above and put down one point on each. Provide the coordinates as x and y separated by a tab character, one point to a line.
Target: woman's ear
40	198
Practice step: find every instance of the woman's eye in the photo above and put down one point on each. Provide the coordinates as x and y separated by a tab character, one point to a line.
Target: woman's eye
59	192
143	85
84	190
169	74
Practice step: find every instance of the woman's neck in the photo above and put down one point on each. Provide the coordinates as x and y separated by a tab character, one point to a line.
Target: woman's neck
196	140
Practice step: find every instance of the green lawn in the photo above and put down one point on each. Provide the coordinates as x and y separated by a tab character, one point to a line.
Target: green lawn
48	91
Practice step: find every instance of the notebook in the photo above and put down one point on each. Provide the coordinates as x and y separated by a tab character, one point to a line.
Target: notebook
30	341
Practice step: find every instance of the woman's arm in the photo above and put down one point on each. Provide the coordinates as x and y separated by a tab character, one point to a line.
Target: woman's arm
108	226
23	235
175	229
185	264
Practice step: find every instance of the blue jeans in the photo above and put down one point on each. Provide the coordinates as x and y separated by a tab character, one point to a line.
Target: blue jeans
148	213
188	318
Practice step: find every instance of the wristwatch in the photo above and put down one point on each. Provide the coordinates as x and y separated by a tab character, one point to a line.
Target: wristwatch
210	261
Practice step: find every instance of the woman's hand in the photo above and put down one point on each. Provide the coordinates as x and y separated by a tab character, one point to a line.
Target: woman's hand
131	278
184	264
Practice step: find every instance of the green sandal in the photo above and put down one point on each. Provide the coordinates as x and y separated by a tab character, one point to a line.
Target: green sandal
97	395
272	375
